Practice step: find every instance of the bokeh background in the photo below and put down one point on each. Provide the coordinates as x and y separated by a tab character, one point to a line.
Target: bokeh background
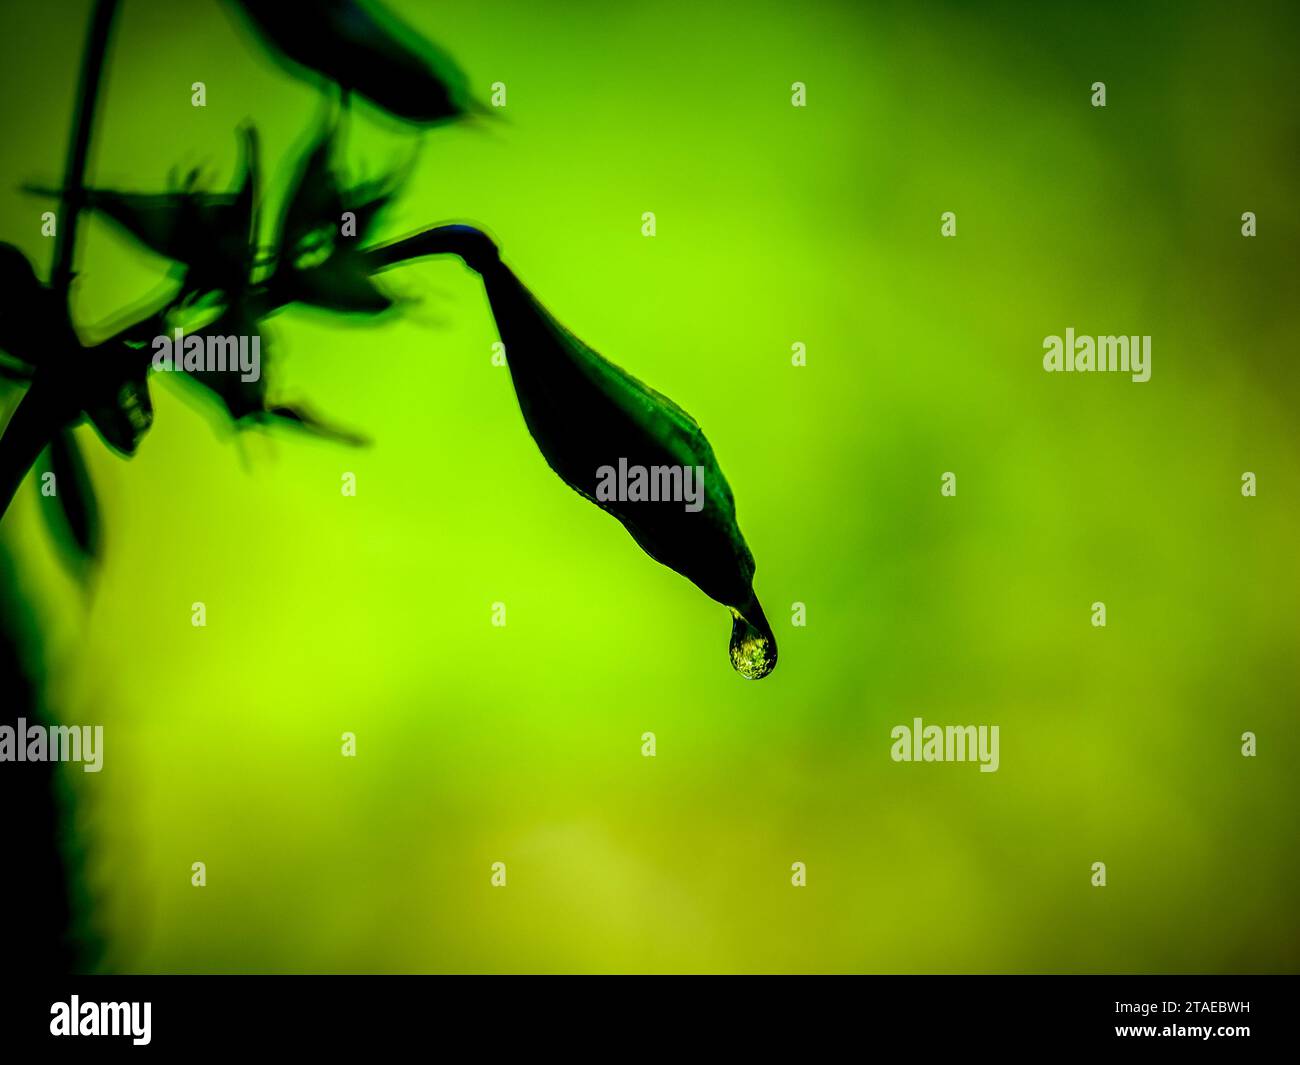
776	225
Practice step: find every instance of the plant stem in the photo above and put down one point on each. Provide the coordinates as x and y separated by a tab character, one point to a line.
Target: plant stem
74	190
472	245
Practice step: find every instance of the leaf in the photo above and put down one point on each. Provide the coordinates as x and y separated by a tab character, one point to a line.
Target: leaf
123	416
305	419
110	384
585	413
240	398
314	201
74	494
211	233
364	49
339	284
32	318
107	383
245	401
41	413
318	263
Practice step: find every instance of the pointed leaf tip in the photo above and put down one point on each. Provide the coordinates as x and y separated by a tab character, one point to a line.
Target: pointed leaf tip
364	49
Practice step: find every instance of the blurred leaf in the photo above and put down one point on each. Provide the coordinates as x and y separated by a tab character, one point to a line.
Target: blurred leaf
303	418
240	398
33	320
116	401
313	201
320	260
340	284
245	401
40	414
75	493
41	346
211	233
364	49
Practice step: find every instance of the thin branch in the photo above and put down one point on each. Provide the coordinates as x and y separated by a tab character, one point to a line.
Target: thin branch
74	190
472	245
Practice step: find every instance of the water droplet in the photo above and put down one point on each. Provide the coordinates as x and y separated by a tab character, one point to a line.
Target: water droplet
753	650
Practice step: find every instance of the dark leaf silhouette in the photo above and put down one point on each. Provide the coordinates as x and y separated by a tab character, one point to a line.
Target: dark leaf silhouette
585	413
313	201
364	49
32	318
319	257
41	348
211	233
241	399
120	409
245	401
106	384
43	410
337	284
75	493
305	419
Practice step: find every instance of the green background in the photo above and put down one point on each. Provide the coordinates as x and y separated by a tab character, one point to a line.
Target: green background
776	225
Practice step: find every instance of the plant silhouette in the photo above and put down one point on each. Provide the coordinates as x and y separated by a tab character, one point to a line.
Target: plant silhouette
584	412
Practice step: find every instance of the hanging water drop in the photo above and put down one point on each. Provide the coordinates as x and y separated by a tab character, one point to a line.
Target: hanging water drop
753	650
